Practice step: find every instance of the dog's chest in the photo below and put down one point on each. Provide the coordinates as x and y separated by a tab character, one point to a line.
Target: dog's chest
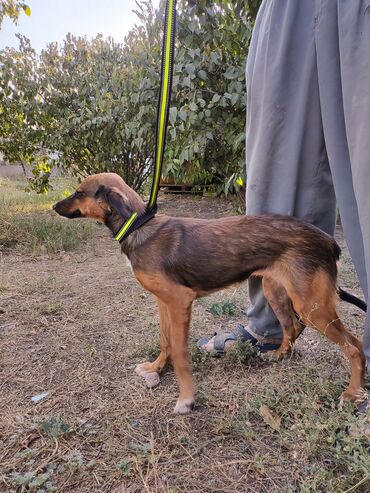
128	263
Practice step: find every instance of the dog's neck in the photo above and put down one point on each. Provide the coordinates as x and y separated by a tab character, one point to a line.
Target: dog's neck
114	222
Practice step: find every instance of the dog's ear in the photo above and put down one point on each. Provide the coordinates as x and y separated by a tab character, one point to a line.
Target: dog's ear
117	201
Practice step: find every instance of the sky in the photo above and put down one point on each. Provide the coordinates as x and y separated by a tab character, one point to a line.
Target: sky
51	20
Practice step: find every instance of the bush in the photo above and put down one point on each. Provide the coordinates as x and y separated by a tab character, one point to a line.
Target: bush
90	106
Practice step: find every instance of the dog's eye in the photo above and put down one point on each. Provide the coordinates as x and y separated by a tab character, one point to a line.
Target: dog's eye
79	193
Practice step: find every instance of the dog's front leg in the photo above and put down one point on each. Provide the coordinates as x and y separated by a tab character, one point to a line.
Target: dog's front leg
175	307
156	366
180	312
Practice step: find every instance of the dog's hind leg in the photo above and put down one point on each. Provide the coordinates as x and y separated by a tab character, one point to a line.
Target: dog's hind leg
281	305
316	305
329	324
157	365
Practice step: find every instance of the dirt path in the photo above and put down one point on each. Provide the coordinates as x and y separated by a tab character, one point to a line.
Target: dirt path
75	325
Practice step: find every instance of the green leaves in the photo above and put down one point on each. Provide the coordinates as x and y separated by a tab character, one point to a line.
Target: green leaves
208	146
193	106
90	106
41	171
125	466
54	427
172	115
12	9
26	10
223	308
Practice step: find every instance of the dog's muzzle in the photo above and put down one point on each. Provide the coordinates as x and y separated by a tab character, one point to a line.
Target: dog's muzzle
62	209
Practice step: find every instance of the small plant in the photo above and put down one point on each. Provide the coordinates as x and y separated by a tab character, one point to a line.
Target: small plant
310	424
243	352
54	427
198	357
141	449
150	351
91	351
75	460
41	171
223	308
50	308
31	482
124	466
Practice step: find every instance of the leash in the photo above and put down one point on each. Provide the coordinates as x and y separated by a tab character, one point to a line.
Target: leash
168	48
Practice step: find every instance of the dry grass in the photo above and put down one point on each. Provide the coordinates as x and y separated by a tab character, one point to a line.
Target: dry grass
26	219
75	325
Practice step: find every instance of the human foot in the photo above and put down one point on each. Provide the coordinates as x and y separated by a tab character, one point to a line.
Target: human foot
218	344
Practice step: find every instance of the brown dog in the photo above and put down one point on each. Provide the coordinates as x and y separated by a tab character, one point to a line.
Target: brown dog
181	259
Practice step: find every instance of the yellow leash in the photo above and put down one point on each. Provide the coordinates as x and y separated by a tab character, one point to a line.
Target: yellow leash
135	221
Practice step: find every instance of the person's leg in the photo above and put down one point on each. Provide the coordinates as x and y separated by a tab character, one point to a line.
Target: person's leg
343	48
287	166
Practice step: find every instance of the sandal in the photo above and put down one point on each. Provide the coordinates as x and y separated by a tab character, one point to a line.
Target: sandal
238	333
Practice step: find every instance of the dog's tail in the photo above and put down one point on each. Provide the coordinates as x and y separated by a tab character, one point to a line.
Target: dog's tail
350	298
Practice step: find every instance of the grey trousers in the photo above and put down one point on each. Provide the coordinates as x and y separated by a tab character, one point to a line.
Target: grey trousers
308	127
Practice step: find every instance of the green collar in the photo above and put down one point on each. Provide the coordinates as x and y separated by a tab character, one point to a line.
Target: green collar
135	222
125	227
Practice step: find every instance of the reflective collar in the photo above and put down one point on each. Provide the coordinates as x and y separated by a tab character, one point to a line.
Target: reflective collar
134	222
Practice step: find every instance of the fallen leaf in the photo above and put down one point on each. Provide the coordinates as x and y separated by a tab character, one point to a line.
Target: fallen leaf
273	421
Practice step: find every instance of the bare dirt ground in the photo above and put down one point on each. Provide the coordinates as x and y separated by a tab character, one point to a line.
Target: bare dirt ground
76	324
10	170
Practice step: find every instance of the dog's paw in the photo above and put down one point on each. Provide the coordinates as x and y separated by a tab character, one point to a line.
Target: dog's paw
152	378
281	353
350	396
184	406
143	368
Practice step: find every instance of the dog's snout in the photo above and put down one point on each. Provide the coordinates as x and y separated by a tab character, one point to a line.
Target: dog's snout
67	208
58	206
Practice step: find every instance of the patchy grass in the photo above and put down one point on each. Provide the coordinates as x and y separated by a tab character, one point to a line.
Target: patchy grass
315	432
226	307
76	325
26	219
242	352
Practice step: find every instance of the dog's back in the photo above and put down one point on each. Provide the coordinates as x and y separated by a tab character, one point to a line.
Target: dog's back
210	254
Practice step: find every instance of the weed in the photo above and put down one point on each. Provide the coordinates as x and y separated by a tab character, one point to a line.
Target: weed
43	233
312	427
91	351
53	427
33	481
124	466
141	449
74	460
227	307
50	308
243	352
150	350
198	357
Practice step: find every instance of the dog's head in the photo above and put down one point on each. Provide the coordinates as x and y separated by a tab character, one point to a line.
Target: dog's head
101	197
